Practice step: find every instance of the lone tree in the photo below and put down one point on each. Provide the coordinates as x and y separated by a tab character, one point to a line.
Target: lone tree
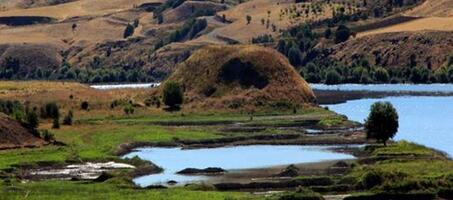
129	31
173	94
249	19
382	123
342	34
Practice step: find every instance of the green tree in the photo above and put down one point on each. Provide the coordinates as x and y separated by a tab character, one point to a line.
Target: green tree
56	122
129	31
248	18
328	33
332	77
32	119
342	34
68	118
381	75
84	105
382	123
294	56
173	94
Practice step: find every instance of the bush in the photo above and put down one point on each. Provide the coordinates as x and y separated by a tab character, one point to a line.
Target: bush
68	119
382	123
381	75
50	110
129	31
48	136
129	109
56	123
342	34
32	120
173	94
84	105
332	77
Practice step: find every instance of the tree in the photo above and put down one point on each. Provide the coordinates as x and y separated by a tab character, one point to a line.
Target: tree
84	105
56	122
68	118
173	94
328	33
342	34
128	31
382	123
32	120
50	110
294	56
381	75
248	18
332	77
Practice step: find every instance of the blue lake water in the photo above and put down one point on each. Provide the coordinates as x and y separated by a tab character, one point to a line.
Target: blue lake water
424	120
240	157
440	88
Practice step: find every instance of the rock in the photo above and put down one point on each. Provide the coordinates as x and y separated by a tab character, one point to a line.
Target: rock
290	171
209	170
172	182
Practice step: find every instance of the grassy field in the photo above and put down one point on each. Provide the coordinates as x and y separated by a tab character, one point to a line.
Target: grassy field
110	190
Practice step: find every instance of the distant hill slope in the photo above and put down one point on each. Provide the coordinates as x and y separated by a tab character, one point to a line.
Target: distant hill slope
395	49
238	75
431	15
14	135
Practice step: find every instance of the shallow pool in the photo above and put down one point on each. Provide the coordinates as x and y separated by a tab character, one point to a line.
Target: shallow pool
228	158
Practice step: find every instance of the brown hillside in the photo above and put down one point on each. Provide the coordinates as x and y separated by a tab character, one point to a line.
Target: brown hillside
14	135
32	55
394	49
190	9
238	75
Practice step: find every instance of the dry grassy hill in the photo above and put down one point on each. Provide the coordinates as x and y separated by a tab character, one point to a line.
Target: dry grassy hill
432	15
395	49
14	135
236	76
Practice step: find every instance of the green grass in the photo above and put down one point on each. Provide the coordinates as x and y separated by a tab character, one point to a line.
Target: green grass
81	190
408	167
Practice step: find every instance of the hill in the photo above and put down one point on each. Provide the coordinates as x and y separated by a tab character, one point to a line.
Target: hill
14	135
239	75
431	49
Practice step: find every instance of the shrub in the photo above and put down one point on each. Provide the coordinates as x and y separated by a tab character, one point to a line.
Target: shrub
129	109
56	123
381	75
68	118
248	18
173	94
332	77
50	110
32	120
48	136
129	31
84	105
382	123
342	34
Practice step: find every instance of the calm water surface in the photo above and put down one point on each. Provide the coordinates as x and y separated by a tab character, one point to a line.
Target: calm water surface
441	88
424	120
240	157
125	86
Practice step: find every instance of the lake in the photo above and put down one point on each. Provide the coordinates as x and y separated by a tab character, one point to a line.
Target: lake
438	88
228	158
424	120
125	86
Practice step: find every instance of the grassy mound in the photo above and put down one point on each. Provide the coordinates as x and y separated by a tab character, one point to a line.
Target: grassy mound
236	76
14	135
